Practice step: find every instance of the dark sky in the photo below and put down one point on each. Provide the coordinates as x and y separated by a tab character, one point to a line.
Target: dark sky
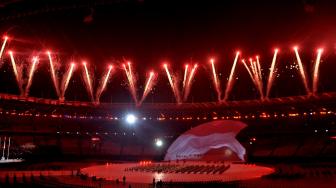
149	32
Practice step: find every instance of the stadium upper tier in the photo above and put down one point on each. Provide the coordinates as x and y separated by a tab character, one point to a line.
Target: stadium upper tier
323	104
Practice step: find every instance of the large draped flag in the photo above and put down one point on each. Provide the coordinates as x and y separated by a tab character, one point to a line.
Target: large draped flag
214	135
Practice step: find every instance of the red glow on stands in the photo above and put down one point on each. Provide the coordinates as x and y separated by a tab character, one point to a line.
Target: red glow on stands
95	139
333	137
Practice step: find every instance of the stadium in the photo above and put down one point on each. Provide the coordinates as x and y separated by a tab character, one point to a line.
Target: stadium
128	94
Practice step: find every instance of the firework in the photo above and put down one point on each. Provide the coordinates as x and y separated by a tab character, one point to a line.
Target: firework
31	75
16	72
316	69
271	73
302	71
102	86
66	79
88	81
258	75
230	81
215	79
189	82
172	85
185	76
53	73
249	71
255	75
258	67
131	81
149	85
5	39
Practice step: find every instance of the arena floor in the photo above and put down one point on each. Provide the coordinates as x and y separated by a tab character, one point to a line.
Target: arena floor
236	172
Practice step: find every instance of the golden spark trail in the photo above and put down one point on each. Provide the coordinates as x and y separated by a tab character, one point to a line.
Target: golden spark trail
130	81
249	71
53	74
148	87
88	80
271	74
316	70
131	75
230	81
172	85
17	75
31	75
67	80
259	75
215	79
3	46
185	76
189	82
303	75
258	67
103	85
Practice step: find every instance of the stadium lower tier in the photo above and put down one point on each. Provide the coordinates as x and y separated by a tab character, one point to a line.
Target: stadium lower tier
34	137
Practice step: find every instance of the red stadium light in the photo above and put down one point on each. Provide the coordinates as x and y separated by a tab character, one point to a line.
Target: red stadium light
295	48
276	49
110	66
5	37
320	50
84	63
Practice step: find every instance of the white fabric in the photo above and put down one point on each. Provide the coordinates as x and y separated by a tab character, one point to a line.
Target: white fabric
191	146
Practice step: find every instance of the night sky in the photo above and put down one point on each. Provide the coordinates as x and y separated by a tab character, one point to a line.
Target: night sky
150	32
